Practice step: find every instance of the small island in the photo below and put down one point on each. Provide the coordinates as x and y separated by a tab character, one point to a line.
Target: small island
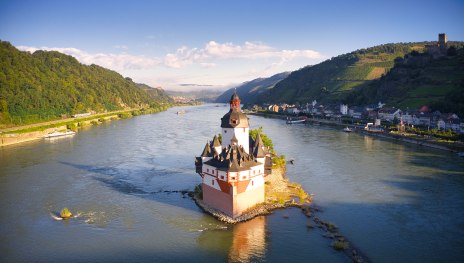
279	193
242	176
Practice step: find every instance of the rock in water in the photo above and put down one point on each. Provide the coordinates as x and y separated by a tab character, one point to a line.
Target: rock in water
65	213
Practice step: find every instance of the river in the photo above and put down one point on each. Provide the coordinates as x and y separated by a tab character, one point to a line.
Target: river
394	202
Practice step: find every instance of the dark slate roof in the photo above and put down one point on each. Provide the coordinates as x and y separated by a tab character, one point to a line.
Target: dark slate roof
234	159
234	119
207	151
216	142
258	149
234	96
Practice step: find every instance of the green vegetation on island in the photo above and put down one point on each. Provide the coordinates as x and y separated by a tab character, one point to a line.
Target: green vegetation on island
46	86
277	161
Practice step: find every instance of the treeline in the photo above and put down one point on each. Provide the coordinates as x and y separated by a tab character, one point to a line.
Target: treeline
47	85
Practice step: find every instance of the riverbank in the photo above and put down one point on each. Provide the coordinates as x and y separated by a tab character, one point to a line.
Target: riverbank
26	133
431	143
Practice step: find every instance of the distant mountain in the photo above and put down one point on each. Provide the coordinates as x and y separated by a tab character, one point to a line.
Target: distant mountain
157	94
45	85
250	91
334	79
204	95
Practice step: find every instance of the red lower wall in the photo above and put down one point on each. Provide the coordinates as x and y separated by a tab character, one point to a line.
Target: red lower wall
218	199
232	206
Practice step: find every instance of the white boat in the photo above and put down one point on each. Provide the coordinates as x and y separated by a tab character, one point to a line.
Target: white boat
58	134
180	112
299	120
347	129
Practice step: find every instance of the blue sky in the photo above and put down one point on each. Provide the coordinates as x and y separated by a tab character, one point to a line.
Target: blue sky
219	43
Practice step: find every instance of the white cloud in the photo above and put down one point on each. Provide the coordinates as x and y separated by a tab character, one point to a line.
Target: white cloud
121	61
249	50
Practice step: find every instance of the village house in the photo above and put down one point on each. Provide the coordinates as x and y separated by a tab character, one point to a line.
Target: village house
274	108
344	109
452	122
389	114
356	112
293	110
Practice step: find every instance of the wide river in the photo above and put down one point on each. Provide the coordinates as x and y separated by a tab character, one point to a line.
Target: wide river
394	202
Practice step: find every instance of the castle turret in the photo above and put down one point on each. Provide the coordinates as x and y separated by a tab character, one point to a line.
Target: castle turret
235	124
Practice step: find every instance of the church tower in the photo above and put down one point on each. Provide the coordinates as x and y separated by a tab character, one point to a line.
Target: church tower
235	126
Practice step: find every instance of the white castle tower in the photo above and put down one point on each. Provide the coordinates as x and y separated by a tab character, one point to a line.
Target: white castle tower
235	127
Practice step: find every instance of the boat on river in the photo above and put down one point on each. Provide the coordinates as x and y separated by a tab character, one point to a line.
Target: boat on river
294	121
59	134
347	129
180	112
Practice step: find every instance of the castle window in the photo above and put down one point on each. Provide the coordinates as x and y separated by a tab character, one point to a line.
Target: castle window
234	121
212	182
222	177
252	183
233	177
225	131
207	170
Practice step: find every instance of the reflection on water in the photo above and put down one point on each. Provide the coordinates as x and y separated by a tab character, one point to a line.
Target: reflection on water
249	241
245	242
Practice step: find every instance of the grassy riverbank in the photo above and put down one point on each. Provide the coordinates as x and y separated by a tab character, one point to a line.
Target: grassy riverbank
20	134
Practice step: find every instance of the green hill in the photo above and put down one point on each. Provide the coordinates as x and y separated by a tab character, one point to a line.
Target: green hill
46	85
417	80
250	90
331	79
334	79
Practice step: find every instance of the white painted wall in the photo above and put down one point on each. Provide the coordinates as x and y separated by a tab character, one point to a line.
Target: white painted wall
240	133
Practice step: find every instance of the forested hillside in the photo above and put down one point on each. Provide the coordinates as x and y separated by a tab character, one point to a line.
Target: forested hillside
46	85
250	90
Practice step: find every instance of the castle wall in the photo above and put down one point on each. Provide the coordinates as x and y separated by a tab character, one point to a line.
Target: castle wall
218	199
240	133
247	199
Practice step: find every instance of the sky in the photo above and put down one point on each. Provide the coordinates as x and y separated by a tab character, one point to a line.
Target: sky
187	45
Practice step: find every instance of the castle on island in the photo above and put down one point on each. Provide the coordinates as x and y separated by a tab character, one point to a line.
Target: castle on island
233	171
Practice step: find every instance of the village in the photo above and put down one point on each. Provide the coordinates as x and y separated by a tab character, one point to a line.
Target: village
380	116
